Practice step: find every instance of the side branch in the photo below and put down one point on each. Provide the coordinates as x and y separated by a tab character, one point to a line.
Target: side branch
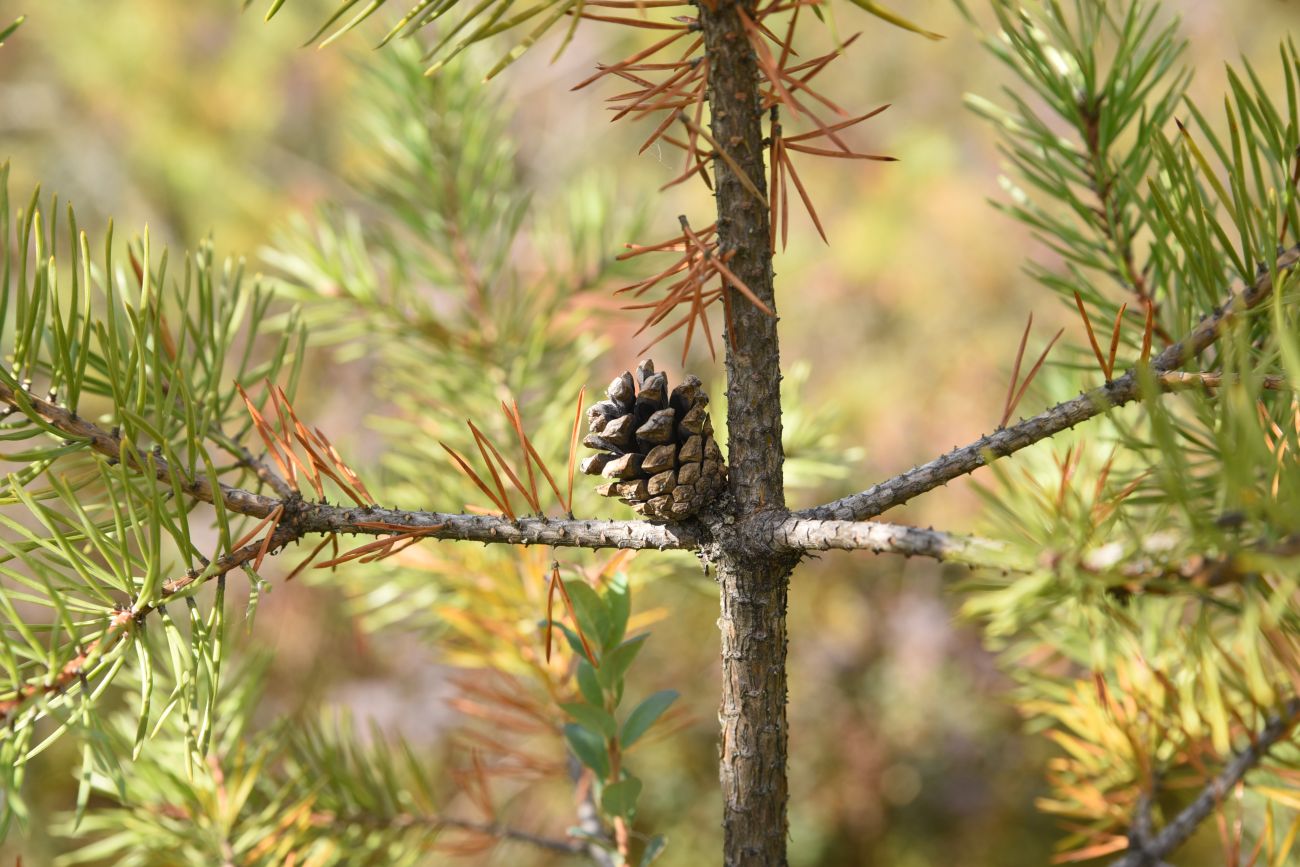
305	517
302	518
73	427
803	534
636	535
968	458
1152	851
123	622
1000	443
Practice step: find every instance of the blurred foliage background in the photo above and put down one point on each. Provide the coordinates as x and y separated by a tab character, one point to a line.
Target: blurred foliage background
197	120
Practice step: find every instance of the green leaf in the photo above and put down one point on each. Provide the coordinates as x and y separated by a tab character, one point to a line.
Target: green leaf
592	718
619	799
589	685
593	617
589	747
645	714
618	600
658	843
894	18
9	31
614	664
575	643
482	19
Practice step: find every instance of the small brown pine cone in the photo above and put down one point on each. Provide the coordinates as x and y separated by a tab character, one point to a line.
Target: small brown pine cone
655	446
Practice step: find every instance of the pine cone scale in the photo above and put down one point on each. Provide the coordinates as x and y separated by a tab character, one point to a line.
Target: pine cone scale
655	446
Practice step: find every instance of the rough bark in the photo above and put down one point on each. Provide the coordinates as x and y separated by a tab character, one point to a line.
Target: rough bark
798	534
752	714
753	574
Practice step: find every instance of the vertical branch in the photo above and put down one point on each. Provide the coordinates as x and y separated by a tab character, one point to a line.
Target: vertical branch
753	581
753	365
752	712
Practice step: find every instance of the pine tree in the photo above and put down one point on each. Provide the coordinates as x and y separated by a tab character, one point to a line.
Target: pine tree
1139	579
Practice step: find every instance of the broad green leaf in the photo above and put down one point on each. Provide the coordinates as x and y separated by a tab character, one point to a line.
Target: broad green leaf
589	684
619	799
593	617
615	663
589	747
644	715
592	718
618	601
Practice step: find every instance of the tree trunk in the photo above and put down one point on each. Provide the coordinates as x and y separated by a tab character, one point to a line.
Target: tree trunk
752	577
752	715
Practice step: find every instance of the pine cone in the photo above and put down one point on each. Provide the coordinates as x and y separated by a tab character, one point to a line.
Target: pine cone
658	448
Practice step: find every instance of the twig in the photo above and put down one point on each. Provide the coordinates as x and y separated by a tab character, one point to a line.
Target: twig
961	461
1101	180
301	518
1176	832
1179	381
122	621
246	458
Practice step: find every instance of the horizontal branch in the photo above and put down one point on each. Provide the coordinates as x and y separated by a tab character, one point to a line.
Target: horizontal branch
804	534
1181	381
109	444
308	517
1006	441
301	518
1152	851
559	533
968	458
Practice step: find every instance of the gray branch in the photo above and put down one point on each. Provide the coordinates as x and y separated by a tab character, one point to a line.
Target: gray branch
1000	443
968	458
302	518
559	533
1150	852
308	517
803	534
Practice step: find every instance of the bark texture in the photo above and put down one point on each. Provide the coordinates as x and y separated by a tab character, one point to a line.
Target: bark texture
752	715
753	362
753	574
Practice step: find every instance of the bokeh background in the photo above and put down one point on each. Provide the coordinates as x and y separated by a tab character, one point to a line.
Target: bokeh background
197	120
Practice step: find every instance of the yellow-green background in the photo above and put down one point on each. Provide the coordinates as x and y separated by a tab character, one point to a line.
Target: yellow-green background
195	119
